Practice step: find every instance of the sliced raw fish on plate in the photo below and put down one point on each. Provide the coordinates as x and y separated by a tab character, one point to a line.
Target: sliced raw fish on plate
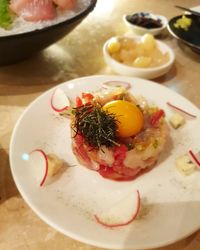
33	10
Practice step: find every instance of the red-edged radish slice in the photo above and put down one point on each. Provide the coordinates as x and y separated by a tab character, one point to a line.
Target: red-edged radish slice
122	213
115	84
195	158
181	110
59	101
39	161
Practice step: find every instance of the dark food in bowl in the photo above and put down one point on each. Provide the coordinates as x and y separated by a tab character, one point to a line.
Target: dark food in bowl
145	20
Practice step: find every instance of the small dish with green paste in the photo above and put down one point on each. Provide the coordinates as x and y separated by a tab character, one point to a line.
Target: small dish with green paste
186	28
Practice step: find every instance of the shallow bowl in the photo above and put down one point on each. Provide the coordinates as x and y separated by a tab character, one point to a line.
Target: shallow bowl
138	30
146	73
190	37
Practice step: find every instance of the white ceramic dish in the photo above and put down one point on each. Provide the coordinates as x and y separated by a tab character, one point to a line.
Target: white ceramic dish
141	30
171	201
146	73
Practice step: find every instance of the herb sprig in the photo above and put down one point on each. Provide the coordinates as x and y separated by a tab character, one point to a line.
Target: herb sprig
96	125
5	16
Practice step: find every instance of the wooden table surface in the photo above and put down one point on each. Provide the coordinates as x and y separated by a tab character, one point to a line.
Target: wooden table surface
78	54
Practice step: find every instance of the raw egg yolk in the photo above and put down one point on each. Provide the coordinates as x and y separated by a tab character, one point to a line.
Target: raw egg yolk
130	118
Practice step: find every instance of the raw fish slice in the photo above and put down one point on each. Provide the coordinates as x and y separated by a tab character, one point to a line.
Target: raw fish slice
17	5
65	4
33	10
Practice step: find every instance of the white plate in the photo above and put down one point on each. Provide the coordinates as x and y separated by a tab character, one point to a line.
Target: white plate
172	201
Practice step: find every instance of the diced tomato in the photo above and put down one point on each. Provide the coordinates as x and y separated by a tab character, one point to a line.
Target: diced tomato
120	152
109	173
155	118
88	97
79	139
79	102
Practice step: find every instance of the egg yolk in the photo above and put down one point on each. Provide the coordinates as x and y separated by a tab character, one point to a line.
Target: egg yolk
130	118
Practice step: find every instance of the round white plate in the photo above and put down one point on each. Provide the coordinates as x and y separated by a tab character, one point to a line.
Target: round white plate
171	201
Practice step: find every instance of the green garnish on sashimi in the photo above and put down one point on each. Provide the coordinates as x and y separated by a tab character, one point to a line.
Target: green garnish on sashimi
5	16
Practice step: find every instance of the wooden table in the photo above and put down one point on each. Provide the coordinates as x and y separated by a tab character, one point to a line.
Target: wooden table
78	54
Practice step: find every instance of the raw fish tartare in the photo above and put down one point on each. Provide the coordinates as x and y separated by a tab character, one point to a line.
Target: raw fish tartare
116	134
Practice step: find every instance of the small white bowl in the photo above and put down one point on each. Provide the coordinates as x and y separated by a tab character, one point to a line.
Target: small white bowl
146	73
138	30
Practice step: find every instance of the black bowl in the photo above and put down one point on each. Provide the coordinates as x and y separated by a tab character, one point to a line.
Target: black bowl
191	37
15	48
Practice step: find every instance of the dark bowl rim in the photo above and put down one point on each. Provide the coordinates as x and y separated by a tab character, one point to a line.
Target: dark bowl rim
177	37
81	14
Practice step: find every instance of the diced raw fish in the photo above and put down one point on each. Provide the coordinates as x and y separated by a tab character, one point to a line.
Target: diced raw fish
65	4
33	10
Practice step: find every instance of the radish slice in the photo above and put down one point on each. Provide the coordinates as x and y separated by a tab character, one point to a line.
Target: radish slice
195	158
116	84
59	101
181	110
39	161
122	213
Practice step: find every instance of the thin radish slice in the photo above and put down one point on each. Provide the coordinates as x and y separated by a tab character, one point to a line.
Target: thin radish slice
39	161
122	213
59	101
116	84
181	110
195	158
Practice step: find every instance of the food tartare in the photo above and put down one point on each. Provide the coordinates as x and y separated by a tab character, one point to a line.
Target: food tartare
116	134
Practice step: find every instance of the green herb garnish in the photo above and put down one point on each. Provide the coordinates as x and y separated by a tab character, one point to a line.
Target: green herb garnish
96	125
139	147
129	146
183	23
155	143
5	16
